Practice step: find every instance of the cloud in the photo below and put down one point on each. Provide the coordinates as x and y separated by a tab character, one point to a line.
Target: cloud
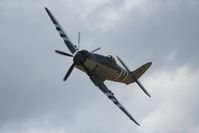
176	94
104	15
173	108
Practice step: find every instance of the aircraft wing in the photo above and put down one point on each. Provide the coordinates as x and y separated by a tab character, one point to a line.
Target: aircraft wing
63	35
99	83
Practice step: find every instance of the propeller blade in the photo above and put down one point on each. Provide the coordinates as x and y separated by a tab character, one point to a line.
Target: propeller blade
95	50
63	53
69	71
136	80
78	46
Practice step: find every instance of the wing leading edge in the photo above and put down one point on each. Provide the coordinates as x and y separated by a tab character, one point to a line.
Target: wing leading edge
63	35
111	96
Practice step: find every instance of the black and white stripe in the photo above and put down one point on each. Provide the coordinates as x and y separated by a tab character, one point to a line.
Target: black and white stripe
122	76
111	96
125	76
63	35
119	75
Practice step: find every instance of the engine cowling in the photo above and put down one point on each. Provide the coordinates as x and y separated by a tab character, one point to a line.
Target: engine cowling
80	57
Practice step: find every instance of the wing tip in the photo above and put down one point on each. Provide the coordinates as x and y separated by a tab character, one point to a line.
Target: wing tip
46	8
51	16
149	64
149	96
135	122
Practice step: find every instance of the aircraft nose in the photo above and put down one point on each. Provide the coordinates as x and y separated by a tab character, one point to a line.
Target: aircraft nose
80	57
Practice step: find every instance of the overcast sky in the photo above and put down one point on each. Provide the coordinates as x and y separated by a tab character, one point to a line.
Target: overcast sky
34	99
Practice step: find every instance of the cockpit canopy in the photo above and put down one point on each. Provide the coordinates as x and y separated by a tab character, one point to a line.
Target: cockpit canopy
112	59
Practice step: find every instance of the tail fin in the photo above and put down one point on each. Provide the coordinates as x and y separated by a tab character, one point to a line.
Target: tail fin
141	70
135	75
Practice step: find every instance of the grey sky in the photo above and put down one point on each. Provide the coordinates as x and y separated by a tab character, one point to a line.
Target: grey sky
33	97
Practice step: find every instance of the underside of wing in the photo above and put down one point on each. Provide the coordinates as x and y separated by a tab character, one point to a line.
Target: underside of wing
62	33
111	96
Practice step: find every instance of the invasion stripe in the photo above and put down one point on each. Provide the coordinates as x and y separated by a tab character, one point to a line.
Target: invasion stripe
109	94
61	32
65	39
114	100
120	106
125	74
122	76
125	77
62	35
119	75
58	26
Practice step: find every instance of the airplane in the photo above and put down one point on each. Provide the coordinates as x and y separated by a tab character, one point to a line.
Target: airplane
99	67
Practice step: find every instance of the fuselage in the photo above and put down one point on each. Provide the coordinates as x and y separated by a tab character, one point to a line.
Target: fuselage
105	67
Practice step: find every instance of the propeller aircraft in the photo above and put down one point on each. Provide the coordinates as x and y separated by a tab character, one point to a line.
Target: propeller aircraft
99	67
